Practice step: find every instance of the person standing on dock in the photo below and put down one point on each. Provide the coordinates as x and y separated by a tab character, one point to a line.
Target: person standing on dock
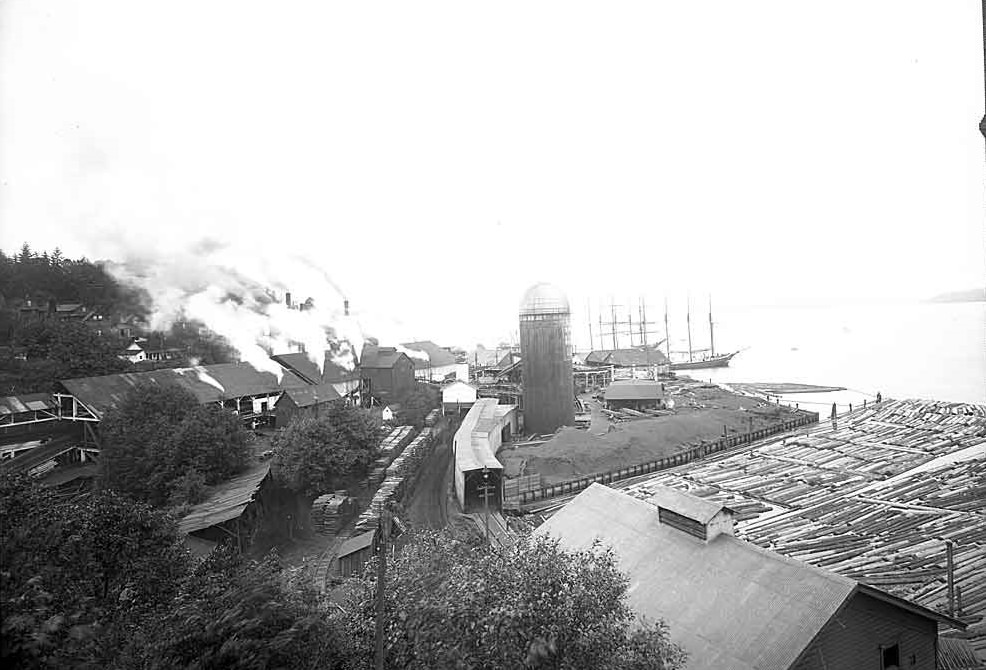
879	398
833	410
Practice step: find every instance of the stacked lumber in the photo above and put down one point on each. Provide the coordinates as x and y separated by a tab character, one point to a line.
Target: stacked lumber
330	512
392	445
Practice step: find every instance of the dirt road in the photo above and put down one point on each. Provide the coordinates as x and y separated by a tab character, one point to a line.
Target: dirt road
427	508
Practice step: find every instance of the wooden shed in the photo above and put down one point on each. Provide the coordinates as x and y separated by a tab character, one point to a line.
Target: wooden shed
355	552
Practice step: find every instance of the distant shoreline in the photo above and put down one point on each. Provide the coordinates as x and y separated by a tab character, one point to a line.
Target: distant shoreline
969	295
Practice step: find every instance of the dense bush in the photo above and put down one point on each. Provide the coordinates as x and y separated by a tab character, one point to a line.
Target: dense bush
315	455
157	435
453	604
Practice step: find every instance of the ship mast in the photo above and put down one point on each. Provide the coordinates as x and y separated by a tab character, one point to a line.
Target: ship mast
667	334
688	318
712	339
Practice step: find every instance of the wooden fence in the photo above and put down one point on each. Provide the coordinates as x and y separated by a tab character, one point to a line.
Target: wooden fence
687	456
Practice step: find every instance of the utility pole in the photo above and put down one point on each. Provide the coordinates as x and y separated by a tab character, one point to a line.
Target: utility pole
381	585
486	500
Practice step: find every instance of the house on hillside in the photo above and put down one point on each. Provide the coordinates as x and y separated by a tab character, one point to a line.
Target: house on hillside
388	373
636	394
141	350
731	604
441	364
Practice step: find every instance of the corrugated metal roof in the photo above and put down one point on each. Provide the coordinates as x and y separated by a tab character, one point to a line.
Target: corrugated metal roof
28	402
634	389
208	383
727	602
956	654
310	395
226	502
693	507
472	439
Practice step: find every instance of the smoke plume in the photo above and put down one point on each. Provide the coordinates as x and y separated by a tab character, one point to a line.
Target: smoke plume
238	293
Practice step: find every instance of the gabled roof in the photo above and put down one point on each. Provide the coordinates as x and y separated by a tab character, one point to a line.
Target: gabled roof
693	507
312	395
729	603
208	383
437	356
634	389
642	356
377	358
597	356
304	367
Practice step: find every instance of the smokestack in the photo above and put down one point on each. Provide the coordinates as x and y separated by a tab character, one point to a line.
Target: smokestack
287	299
345	306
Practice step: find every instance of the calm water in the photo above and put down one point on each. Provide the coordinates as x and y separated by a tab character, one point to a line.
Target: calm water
933	351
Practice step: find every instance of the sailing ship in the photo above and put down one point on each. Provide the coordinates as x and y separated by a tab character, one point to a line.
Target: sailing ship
711	359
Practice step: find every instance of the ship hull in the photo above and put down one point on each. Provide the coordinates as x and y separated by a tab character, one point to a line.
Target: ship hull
714	362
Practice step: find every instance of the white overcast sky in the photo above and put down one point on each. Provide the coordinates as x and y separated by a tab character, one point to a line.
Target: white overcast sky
437	158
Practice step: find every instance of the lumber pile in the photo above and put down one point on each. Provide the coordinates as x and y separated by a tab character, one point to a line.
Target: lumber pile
330	512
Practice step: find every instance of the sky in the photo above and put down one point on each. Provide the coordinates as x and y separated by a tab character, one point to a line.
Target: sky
435	159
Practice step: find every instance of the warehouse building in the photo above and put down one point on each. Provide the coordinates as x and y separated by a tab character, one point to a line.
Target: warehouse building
636	394
731	604
388	373
484	428
305	402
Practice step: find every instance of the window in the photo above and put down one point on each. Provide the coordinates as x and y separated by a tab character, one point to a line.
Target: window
890	657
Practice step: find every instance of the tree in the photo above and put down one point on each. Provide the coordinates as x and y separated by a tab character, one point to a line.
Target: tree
157	435
63	350
77	574
454	604
236	613
316	455
418	402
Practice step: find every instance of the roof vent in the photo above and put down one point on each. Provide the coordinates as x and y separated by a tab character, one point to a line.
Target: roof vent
692	515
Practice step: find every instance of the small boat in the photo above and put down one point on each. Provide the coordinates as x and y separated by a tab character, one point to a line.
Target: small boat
712	360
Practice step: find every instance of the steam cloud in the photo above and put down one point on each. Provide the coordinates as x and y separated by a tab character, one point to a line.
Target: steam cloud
414	353
238	292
